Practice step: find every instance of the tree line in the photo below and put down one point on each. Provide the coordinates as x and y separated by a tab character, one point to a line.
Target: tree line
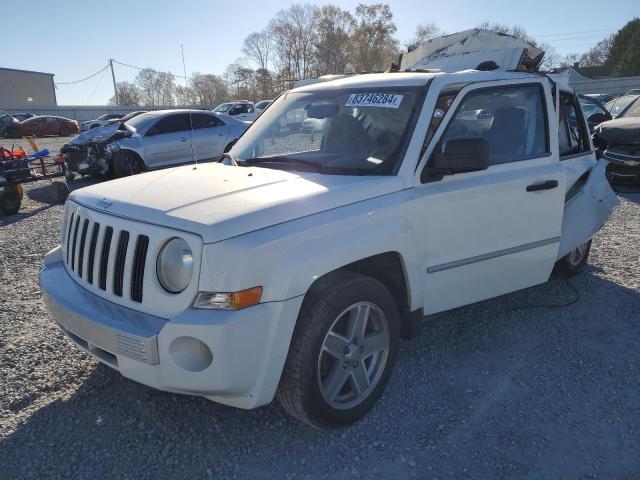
307	41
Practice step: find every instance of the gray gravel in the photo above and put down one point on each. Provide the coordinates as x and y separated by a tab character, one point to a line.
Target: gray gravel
486	391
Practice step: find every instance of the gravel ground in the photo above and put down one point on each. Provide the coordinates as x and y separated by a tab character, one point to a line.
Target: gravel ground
485	391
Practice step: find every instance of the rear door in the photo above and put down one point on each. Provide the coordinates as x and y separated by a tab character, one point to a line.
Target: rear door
491	232
209	135
168	142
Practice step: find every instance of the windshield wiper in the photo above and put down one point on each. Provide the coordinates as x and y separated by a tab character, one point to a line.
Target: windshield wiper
282	160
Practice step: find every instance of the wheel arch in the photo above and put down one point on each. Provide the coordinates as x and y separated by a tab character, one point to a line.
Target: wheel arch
389	269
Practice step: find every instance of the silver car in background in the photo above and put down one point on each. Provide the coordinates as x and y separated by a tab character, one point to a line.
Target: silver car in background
152	140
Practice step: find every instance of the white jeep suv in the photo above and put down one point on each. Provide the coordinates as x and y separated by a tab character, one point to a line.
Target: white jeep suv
292	269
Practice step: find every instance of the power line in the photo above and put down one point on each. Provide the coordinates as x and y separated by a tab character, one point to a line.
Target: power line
84	79
147	68
96	87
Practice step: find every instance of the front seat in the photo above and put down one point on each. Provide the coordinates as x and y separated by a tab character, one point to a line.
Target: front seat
346	135
508	134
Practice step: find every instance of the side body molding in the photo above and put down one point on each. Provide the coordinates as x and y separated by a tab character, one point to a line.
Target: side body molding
587	210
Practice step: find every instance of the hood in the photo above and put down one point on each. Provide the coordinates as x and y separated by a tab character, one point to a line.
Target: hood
219	201
620	130
99	134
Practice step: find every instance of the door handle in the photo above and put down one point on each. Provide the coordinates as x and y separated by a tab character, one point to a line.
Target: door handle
184	139
548	185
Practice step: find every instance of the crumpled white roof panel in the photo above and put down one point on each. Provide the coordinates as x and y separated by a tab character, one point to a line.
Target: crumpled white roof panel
468	49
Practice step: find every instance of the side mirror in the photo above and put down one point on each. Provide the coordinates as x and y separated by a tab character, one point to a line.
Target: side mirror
597	118
462	155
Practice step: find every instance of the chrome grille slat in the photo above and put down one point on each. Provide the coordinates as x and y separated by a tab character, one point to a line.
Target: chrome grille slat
83	238
121	255
104	257
92	251
70	229
73	247
139	261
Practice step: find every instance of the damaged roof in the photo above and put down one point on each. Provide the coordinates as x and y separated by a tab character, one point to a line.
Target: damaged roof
470	48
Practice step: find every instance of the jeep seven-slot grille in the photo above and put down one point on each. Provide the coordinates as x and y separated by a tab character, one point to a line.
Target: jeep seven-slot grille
99	256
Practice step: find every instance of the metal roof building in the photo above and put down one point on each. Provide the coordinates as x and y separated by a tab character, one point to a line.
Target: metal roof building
26	89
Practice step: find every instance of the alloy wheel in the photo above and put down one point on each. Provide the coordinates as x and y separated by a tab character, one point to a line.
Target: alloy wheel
353	356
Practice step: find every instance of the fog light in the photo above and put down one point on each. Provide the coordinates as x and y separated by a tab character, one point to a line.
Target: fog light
228	300
190	354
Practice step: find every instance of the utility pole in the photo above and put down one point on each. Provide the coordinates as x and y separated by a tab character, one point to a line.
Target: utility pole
113	77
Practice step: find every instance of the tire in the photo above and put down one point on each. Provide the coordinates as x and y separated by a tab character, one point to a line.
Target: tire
326	318
63	132
573	262
10	201
12	133
127	163
62	191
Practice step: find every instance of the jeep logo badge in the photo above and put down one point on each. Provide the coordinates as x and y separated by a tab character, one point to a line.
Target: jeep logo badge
104	203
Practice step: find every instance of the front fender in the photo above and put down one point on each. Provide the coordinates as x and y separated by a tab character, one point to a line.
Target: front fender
286	259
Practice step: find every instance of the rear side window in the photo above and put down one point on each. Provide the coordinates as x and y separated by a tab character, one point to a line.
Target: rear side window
572	133
170	124
512	119
201	120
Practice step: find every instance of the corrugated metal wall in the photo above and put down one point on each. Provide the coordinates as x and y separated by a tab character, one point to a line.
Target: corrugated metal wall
17	87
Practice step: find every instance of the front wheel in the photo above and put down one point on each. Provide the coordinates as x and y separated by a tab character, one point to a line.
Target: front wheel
342	354
574	261
126	164
63	132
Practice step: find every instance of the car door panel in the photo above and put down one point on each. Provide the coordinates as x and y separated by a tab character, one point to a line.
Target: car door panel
490	232
210	142
168	148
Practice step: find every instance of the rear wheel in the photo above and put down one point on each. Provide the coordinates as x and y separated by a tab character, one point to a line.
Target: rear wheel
126	164
342	354
11	199
574	261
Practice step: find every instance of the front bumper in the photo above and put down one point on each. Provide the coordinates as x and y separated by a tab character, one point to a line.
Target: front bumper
235	358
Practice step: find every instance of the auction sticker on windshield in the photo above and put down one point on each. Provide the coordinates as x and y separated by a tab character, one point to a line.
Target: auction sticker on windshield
384	100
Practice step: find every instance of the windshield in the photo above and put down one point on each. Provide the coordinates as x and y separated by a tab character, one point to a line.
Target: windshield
633	110
616	106
262	105
342	131
222	107
140	121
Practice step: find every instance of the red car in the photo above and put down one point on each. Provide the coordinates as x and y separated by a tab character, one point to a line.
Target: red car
45	125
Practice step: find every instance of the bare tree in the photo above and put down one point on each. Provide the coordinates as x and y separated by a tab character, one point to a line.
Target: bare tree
375	46
334	31
156	88
208	89
423	33
293	35
597	55
258	47
128	95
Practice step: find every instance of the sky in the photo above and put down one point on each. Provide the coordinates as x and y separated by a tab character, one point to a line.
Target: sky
75	38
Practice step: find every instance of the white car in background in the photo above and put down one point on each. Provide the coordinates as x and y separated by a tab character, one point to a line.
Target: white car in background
261	105
101	121
241	110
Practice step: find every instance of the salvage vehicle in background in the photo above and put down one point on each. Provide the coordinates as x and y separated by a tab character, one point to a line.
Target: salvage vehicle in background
101	121
594	112
242	110
9	122
617	107
293	268
45	125
151	140
262	105
618	141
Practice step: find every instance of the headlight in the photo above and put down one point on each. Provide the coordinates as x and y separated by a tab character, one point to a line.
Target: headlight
112	147
174	266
